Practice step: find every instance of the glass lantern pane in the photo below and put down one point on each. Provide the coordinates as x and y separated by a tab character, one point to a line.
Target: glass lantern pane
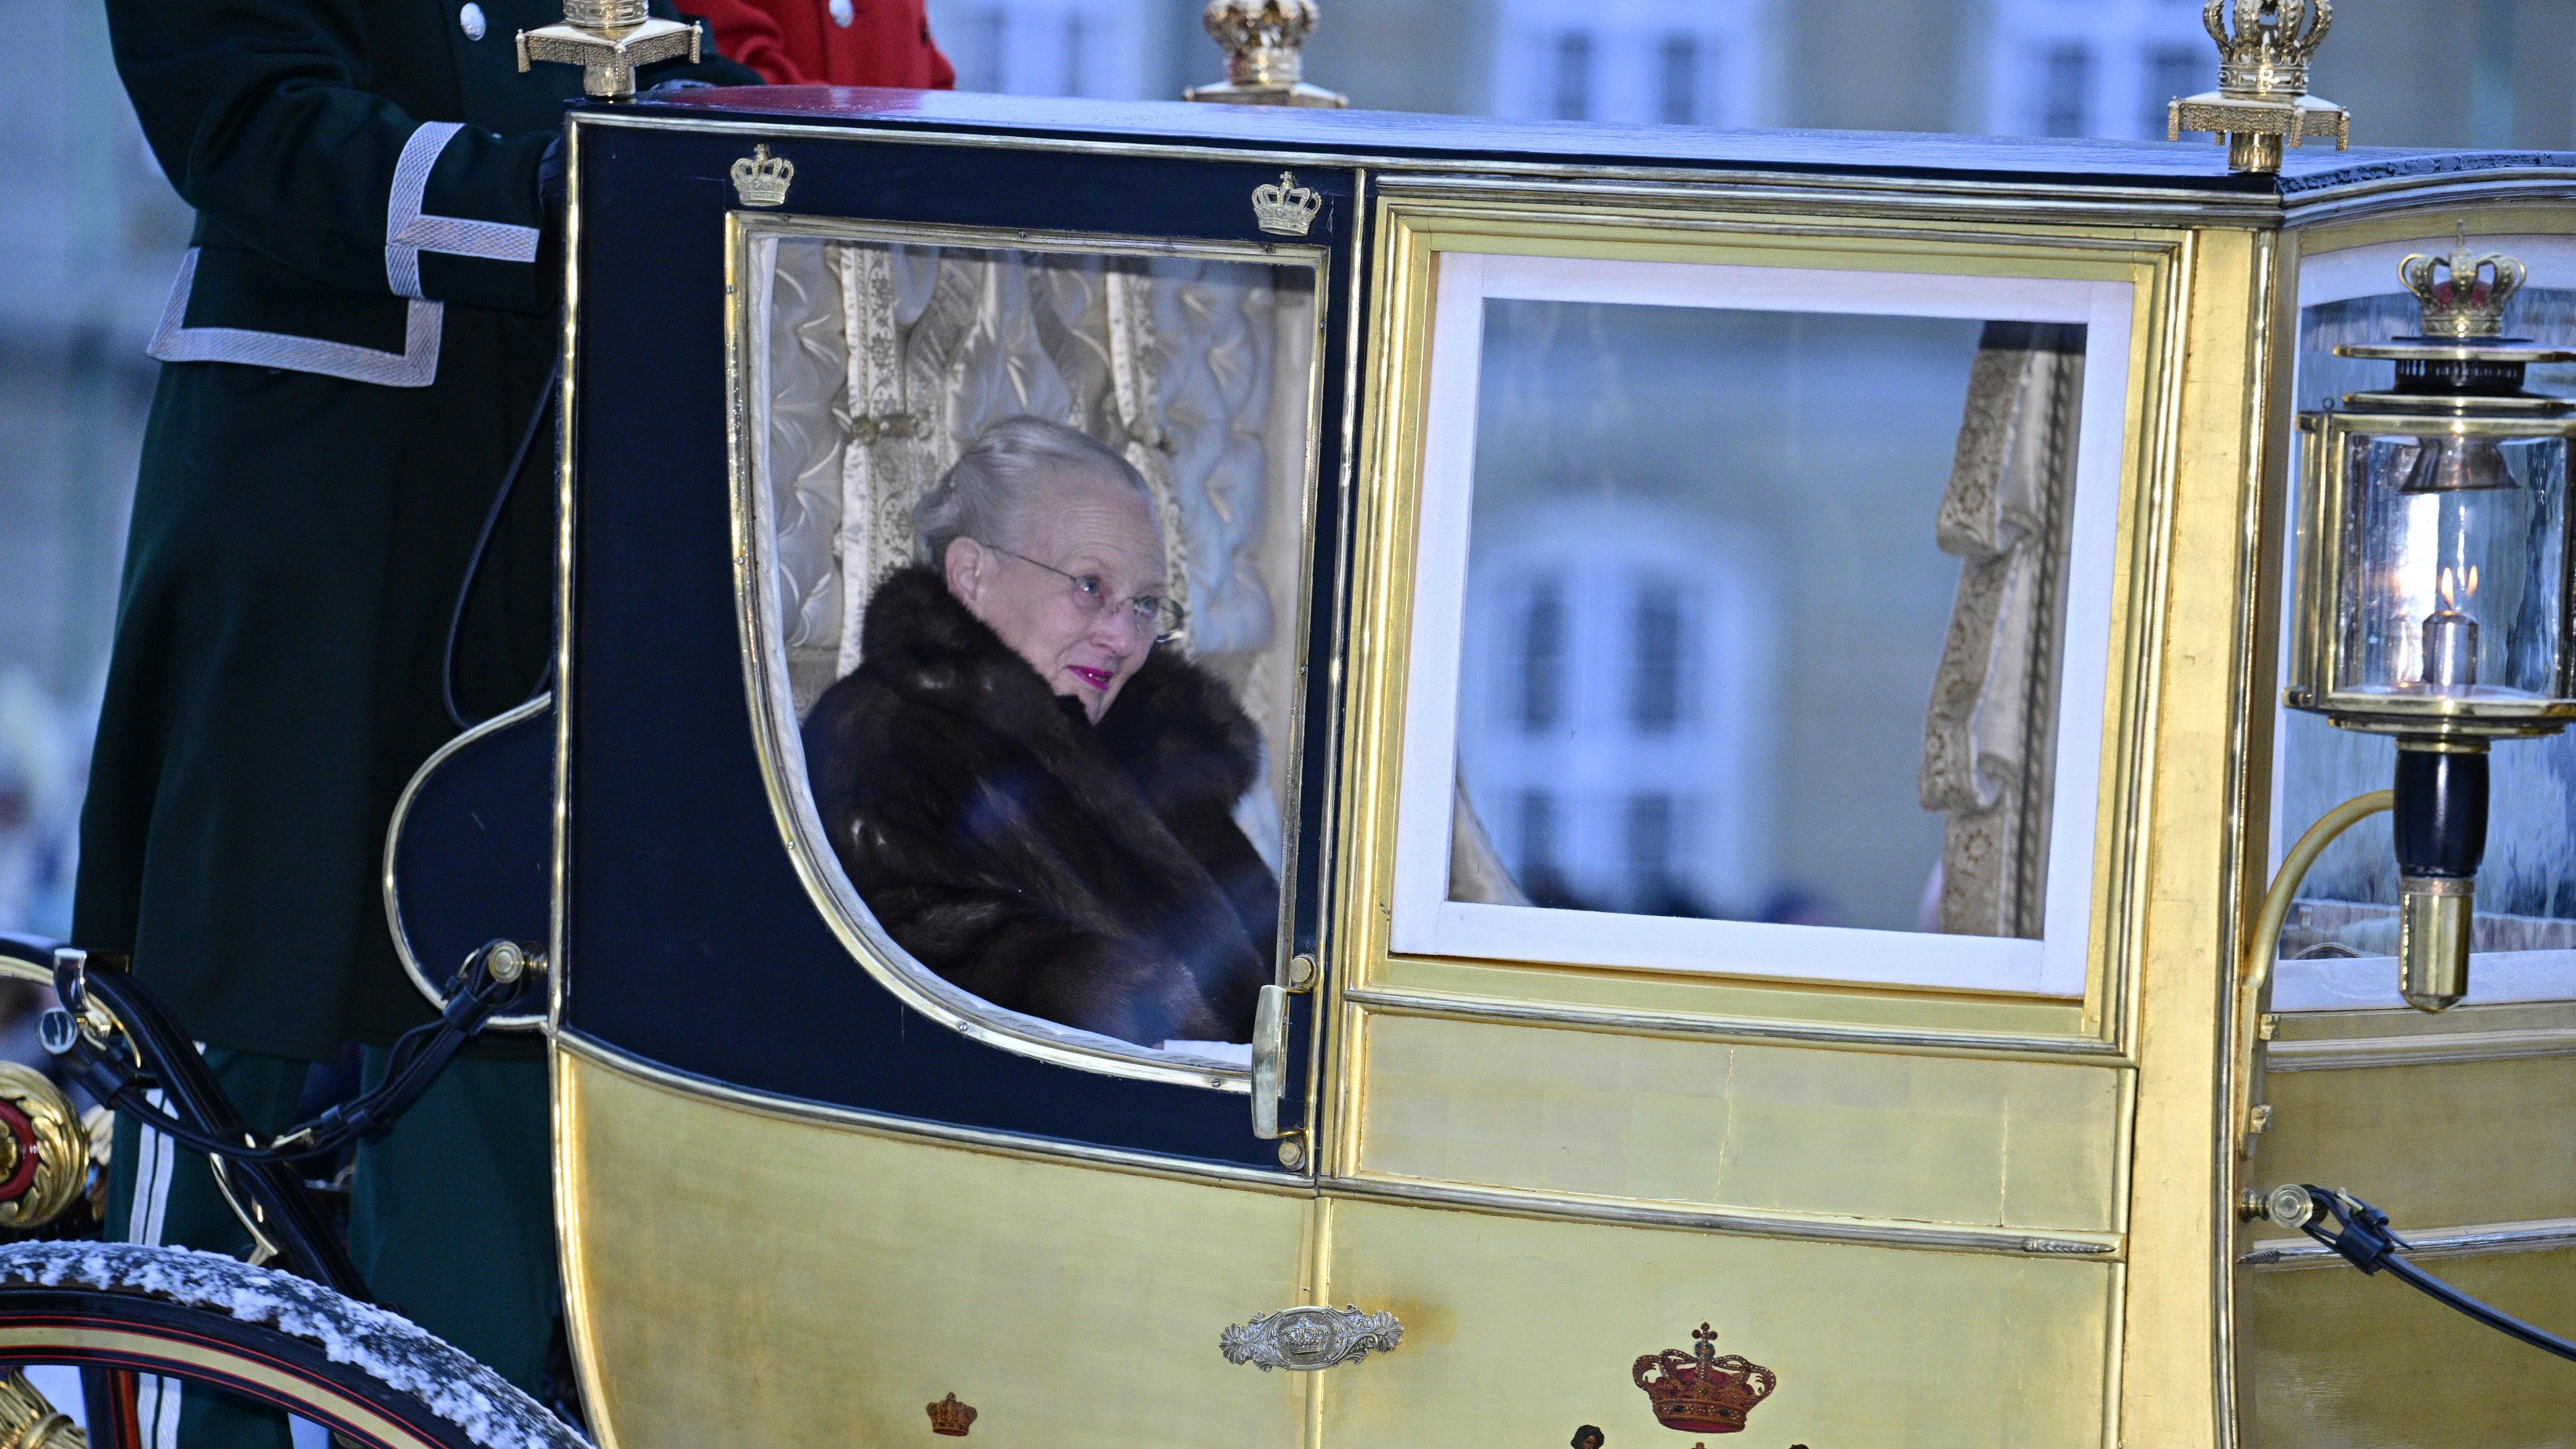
2343	929
2455	564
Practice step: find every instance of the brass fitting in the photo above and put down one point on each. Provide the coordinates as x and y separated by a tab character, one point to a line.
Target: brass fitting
2434	914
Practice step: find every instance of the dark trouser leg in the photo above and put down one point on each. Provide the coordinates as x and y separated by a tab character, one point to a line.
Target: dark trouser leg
451	1215
158	1193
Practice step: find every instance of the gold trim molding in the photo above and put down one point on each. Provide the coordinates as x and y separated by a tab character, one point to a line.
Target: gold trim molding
1739	1222
1743	1222
1403	1001
2333	1054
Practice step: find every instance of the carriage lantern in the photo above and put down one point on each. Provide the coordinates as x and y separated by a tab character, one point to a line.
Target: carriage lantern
2434	583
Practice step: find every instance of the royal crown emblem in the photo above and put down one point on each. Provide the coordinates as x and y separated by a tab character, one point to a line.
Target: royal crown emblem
1699	1392
950	1417
2468	299
761	179
1284	207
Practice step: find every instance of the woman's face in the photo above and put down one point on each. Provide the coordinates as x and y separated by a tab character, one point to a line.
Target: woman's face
1086	527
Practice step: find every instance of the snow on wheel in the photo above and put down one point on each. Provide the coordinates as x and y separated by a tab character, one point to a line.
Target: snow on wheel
369	1374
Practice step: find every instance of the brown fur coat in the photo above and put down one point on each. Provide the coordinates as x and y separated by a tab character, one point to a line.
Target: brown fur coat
1090	876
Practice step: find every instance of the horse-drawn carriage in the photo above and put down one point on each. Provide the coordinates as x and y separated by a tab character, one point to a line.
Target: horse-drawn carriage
1766	653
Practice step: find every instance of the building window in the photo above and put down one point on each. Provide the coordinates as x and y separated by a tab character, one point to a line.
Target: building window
1654	877
1543	659
1655	685
1680	89
1048	47
1077	35
978	45
1539	850
2066	90
2173	71
1573	77
2103	68
1644	63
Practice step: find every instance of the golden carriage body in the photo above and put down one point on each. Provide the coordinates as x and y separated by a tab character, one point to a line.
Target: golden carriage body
1768	654
1966	1176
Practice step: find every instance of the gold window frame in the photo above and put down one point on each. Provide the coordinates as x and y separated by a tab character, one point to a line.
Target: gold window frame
772	712
1416	221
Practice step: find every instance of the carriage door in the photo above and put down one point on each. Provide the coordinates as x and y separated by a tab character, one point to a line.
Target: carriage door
926	1195
1721	1046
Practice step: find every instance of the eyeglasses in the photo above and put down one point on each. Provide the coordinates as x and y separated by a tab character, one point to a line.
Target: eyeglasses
1160	618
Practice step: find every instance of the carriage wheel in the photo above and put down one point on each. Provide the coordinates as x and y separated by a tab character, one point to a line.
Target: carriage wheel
373	1377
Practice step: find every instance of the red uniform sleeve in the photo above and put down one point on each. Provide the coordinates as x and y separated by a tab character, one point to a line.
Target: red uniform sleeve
745	31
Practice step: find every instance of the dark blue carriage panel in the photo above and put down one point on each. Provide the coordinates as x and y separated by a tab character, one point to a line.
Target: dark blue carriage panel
689	938
470	858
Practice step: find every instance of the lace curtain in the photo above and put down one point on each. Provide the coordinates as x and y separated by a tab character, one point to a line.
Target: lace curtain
885	361
1989	742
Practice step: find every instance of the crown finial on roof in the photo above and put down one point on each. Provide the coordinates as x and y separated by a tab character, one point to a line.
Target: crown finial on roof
2262	103
1264	43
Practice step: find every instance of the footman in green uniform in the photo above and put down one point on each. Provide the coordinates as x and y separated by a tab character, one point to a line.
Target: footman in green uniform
356	350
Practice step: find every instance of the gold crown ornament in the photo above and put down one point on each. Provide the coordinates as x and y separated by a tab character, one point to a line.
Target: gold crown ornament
761	179
1285	208
2262	102
610	40
1264	43
1699	1392
950	1417
2468	299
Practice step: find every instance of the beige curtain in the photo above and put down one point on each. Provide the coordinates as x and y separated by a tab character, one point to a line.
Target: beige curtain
1476	869
802	373
1989	742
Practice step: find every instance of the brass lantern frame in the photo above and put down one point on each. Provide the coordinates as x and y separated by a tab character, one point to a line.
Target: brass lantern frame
2318	680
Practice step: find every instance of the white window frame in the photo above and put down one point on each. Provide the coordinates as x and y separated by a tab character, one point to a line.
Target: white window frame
1426	922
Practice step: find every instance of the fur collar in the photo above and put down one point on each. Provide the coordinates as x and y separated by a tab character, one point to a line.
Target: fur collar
1090	876
1174	730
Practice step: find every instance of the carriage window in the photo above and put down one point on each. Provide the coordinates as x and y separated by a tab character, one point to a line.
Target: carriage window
1032	526
1760	621
2342	932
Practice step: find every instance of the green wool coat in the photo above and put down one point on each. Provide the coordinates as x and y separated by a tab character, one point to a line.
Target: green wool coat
355	347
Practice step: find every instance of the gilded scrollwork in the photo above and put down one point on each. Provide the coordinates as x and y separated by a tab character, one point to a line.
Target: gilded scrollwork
28	1420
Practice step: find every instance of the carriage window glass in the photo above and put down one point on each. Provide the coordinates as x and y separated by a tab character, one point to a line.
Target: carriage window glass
1779	626
1031	526
2338	943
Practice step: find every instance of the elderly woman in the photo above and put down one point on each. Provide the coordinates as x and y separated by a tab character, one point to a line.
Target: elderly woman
1036	801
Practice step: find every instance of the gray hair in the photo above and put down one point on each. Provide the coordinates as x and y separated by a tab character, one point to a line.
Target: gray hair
989	490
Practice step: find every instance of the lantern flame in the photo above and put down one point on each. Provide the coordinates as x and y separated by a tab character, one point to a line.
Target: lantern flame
2450	596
